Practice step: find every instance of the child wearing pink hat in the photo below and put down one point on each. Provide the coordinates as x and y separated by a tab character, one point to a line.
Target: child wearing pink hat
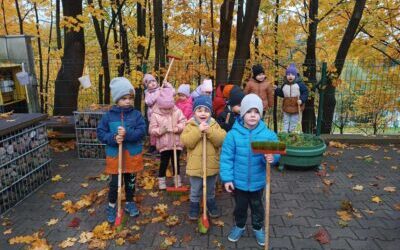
166	124
184	101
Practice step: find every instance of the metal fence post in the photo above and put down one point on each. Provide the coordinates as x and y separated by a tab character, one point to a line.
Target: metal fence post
321	89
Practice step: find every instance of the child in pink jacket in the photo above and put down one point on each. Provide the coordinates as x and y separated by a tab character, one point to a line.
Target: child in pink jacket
166	124
184	101
150	96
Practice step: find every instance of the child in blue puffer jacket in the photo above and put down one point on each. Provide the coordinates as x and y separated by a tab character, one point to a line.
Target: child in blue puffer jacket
242	171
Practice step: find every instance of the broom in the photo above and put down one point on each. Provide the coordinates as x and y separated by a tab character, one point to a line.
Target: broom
173	58
204	224
176	191
267	147
120	213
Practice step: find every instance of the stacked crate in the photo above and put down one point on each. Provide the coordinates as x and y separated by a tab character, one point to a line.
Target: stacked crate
24	163
89	147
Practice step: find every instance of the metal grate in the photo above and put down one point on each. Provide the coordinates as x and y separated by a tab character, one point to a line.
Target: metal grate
89	147
24	164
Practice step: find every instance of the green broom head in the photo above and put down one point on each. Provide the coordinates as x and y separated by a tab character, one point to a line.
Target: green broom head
204	225
268	147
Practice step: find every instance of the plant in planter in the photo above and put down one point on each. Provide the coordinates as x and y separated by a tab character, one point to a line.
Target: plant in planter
303	151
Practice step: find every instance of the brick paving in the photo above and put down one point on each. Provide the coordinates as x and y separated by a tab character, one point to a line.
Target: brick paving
302	193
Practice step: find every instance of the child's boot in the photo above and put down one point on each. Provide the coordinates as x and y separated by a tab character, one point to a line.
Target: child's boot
179	184
131	209
194	210
236	233
111	213
260	236
161	183
212	208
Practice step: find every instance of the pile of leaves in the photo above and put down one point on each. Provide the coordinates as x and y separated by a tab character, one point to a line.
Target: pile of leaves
299	140
34	241
59	146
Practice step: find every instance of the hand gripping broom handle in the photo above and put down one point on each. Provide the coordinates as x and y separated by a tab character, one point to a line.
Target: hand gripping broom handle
204	176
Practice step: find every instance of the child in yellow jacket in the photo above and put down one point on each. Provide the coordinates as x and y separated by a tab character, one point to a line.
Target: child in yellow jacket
202	122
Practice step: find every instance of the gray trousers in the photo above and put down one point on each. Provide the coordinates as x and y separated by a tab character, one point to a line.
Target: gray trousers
196	188
290	122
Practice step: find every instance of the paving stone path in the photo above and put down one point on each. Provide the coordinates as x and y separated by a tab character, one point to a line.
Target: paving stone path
300	204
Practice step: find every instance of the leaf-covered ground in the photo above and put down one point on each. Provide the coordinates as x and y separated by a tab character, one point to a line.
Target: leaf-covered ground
352	203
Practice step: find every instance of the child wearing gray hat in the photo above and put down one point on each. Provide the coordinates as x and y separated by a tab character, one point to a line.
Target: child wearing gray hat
242	171
122	124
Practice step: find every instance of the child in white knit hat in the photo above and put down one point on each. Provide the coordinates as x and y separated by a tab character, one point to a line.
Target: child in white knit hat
184	101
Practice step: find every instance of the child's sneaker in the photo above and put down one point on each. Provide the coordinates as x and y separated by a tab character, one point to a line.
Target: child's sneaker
131	209
111	213
235	234
179	184
212	209
194	210
260	236
161	183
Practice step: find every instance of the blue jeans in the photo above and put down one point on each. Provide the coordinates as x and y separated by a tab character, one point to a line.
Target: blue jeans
196	188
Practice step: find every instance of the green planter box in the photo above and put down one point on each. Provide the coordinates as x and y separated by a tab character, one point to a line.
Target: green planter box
302	150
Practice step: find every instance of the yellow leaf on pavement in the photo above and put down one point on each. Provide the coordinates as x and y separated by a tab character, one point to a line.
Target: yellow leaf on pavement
376	199
69	242
58	196
56	178
85	237
52	222
344	215
358	188
84	185
119	241
390	189
8	231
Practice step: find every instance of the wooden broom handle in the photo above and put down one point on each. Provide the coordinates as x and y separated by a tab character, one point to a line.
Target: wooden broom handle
119	176
267	204
204	155
175	156
169	68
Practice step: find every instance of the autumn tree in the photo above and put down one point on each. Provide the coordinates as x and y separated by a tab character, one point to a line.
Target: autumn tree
67	84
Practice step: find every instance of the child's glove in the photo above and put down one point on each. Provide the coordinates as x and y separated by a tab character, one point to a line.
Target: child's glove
229	187
269	158
299	102
121	131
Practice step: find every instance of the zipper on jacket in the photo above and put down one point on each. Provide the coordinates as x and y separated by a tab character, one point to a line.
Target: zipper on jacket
249	165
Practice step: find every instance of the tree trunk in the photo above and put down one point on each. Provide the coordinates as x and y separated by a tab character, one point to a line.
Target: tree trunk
243	42
150	31
4	17
40	60
308	118
67	84
58	29
124	44
276	55
46	88
158	35
239	18
141	31
21	22
199	58
348	37
212	38
226	16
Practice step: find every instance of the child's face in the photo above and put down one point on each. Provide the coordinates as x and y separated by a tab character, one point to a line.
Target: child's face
236	109
208	93
181	97
260	77
125	101
202	114
251	118
152	85
290	77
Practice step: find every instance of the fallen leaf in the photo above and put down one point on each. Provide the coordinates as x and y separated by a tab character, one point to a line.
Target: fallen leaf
343	223
85	237
135	227
97	244
68	207
370	212
63	165
289	215
8	231
176	203
56	178
161	208
52	222
163	233
153	194
322	236
157	219
6	222
346	205
84	185
376	199
390	189
218	244
132	239
350	175
143	221
169	241
186	238
184	198
119	241
374	184
344	215
321	173
217	222
397	206
357	215
103	231
6	115
394	167
74	222
58	196
172	221
327	182
91	211
332	168
387	158
358	188
69	242
380	177
336	144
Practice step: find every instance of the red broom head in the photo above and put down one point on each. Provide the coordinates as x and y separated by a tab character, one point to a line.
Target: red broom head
118	220
268	147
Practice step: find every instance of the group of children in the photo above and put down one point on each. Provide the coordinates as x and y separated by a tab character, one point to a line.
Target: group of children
179	119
